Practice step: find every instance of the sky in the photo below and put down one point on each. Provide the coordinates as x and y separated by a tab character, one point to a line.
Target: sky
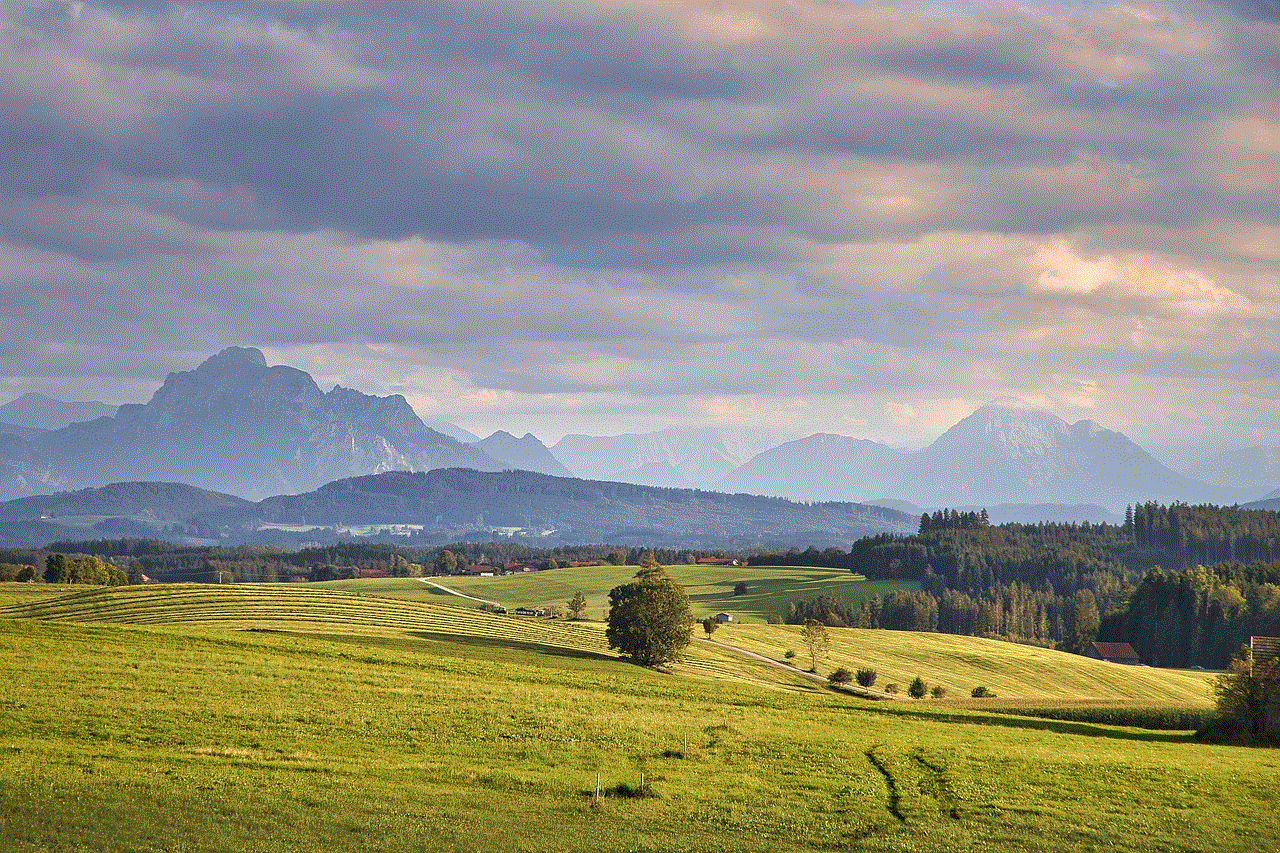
613	217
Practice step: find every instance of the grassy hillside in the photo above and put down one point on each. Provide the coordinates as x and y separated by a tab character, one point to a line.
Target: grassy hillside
353	722
769	588
959	664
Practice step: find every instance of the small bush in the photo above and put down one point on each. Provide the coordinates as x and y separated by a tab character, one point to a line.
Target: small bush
866	677
938	691
918	689
840	677
740	588
773	619
631	792
891	688
981	692
789	654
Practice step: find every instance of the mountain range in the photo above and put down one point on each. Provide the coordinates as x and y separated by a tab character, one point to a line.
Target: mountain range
236	425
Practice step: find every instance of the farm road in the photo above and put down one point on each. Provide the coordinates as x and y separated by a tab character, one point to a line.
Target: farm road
444	588
812	676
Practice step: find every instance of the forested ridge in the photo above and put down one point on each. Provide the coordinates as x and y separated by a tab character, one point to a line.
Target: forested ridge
1185	585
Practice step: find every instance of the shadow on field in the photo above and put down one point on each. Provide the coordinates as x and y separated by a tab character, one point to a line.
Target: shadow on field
1064	727
508	643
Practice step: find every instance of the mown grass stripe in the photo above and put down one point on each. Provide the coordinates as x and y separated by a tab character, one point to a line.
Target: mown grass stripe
233	605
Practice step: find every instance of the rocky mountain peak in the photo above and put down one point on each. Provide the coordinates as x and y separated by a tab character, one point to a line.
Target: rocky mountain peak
1008	430
234	376
235	355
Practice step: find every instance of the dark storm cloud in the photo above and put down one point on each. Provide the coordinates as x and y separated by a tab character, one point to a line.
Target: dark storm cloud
474	121
1253	10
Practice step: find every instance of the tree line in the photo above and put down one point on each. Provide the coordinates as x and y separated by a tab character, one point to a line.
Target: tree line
170	562
1145	581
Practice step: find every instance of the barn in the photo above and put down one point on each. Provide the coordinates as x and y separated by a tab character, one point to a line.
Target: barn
1113	653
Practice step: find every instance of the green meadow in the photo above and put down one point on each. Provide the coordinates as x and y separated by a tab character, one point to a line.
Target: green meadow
710	588
307	718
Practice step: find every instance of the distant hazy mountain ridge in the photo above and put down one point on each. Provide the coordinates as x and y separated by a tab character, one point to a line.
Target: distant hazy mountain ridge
236	425
525	454
673	457
1001	454
40	412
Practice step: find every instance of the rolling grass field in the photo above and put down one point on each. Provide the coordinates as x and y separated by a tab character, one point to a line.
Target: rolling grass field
959	664
710	588
294	718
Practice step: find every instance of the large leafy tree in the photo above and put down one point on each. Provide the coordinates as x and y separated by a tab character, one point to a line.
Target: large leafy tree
1248	696
650	620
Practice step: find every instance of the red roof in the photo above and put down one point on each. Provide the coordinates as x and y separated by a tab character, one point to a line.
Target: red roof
1264	648
1115	651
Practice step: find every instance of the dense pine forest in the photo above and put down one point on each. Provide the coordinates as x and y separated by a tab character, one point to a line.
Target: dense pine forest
1185	585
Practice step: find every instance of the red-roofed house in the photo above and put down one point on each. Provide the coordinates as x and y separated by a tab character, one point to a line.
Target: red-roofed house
1113	653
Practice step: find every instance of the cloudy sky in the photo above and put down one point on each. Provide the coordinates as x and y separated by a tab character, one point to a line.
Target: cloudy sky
612	217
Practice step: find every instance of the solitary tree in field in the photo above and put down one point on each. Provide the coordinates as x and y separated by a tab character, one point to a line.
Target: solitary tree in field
918	688
816	640
710	625
866	677
649	618
577	605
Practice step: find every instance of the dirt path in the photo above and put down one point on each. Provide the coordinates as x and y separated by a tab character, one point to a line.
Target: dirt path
444	588
855	689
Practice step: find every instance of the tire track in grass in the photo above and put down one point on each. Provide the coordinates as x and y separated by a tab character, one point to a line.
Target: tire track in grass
895	797
937	781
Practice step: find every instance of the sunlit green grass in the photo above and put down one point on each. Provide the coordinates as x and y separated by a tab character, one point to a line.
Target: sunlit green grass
293	718
147	738
959	664
769	588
